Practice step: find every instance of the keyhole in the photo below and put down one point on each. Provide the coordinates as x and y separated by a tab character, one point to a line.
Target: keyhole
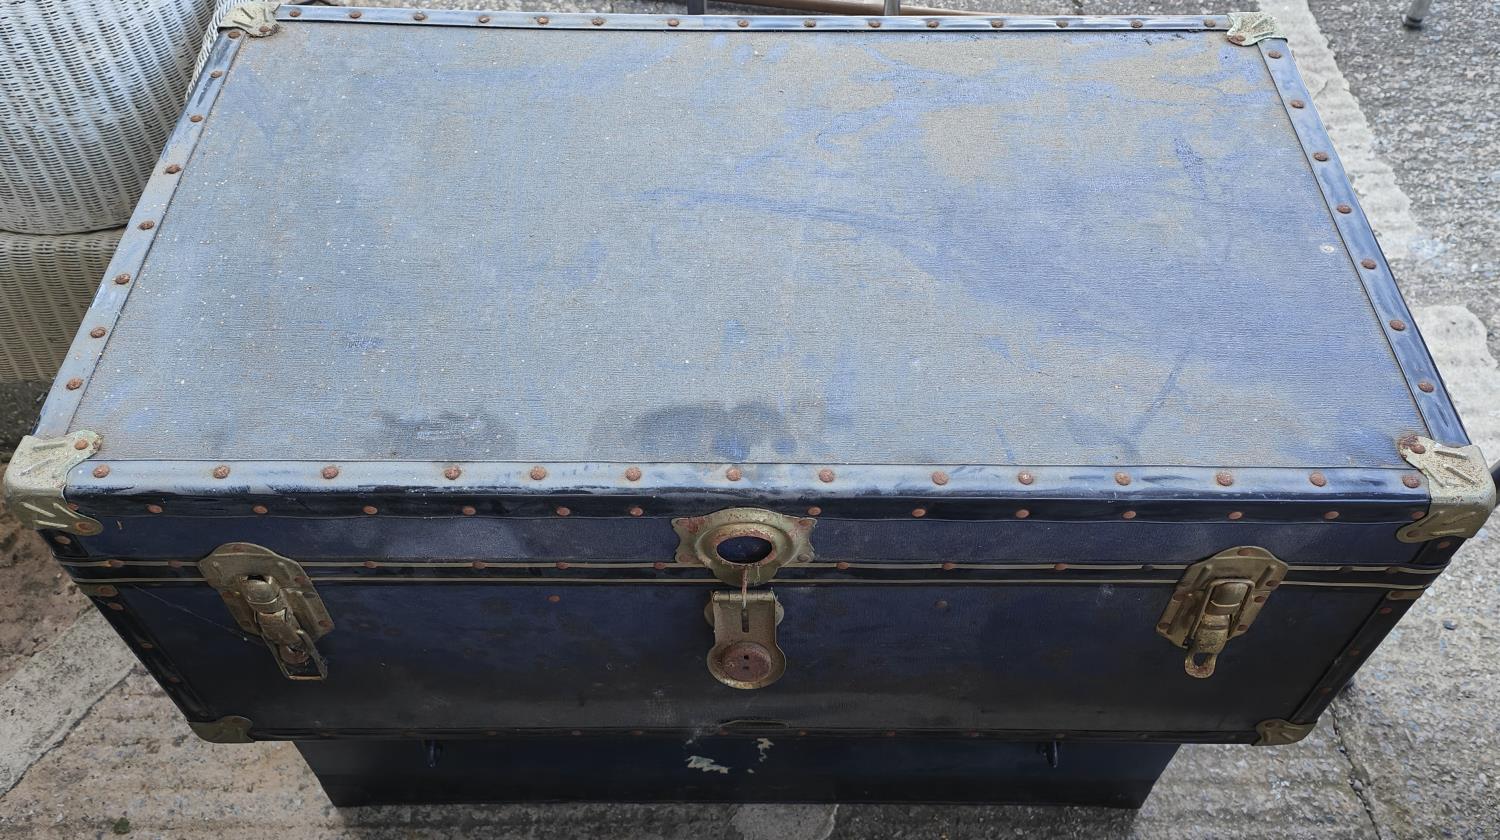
744	550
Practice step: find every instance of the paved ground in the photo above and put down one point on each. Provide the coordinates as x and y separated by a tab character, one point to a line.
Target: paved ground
89	747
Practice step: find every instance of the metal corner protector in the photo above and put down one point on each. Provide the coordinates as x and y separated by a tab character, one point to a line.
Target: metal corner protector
1247	28
230	729
1278	733
37	477
1461	487
256	19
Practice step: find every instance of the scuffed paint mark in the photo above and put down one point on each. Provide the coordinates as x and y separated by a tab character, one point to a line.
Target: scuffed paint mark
707	765
762	745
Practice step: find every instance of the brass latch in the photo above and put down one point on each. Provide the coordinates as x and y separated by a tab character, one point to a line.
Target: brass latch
745	654
744	546
271	597
1216	600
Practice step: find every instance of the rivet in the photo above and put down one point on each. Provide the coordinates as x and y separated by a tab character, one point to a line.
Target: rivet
370	564
940	478
1417	447
1122	479
1331	515
216	74
356	14
809	23
419	16
74	384
1022	513
452	473
466	510
597	21
1236	39
1129	514
1418	514
1318	479
114	563
1321	157
552	599
1274	54
919	512
1062	24
122	279
1058	567
658	565
874	24
295	13
742	23
932	24
116	607
825	475
949	566
841	566
260	510
1246	552
370	510
672	21
1235	514
941	605
80	444
997	24
330	472
633	474
147	646
1224	478
1297	103
1025	477
1426	387
234	33
1165	625
221	471
196	118
153	508
636	511
172	169
538	473
1445	544
484	18
733	474
1240	628
1367	263
1272	584
96	332
1137	24
1354	652
1397	324
174	679
1411	481
174	564
543	21
1210	23
1260	599
479	564
101	471
1345	209
814	510
563	511
1385	610
560	565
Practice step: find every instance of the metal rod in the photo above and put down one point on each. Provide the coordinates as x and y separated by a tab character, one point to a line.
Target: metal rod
892	8
853	7
1415	13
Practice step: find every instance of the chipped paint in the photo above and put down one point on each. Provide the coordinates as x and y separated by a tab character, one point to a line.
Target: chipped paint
707	765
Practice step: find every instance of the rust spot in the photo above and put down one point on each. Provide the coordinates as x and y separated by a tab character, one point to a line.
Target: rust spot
324	623
563	511
597	21
1236	515
1210	23
80	444
1367	263
1345	209
452	473
234	33
825	475
874	24
295	13
658	565
940	478
172	169
1331	515
1062	24
1224	478
221	471
1411	481
633	474
1417	447
1418	514
467	510
1129	514
196	118
1426	387
153	508
370	510
809	23
419	16
1321	157
814	510
261	510
101	471
1022	513
919	512
552	599
742	23
1273	54
1122	479
1137	24
216	74
733	474
1025	477
538	473
932	24
949	566
96	332
1385	610
1297	103
1397	324
841	566
330	472
1445	544
1318	479
356	14
672	21
998	24
543	21
636	511
74	384
122	279
1260	599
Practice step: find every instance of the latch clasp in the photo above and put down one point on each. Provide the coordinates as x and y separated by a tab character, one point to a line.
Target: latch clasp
745	653
1216	600
271	597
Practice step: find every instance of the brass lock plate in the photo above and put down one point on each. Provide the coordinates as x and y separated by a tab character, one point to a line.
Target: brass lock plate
271	597
745	653
1217	600
774	540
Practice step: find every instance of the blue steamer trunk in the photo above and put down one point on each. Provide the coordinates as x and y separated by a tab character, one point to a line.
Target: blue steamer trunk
632	407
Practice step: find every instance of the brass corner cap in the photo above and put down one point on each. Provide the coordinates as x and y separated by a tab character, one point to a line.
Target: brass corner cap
1277	732
37	477
1460	485
256	18
231	729
1246	28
